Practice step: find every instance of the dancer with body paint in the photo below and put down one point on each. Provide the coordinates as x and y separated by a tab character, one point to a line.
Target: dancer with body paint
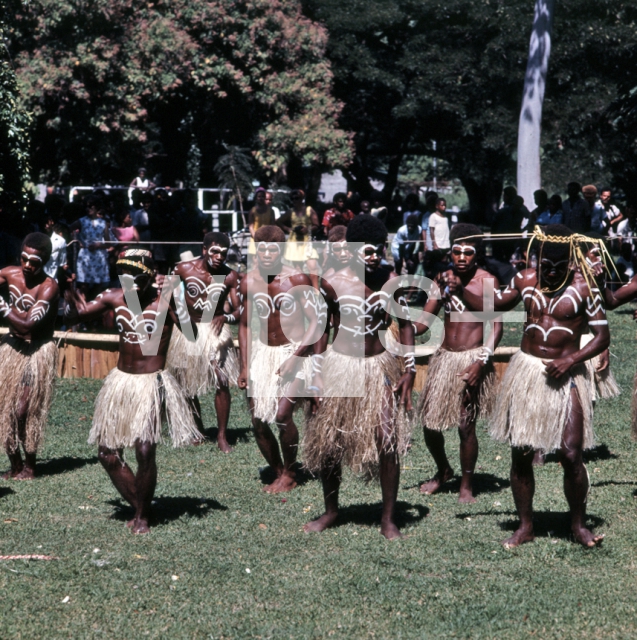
461	380
199	368
545	401
367	432
274	366
139	392
28	355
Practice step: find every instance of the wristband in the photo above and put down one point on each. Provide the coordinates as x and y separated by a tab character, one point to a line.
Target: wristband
484	354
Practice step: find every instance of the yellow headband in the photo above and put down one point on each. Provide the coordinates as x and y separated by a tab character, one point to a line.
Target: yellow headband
138	265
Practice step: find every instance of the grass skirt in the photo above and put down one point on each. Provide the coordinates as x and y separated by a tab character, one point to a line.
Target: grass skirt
131	407
266	386
441	401
532	409
199	371
604	383
26	364
345	430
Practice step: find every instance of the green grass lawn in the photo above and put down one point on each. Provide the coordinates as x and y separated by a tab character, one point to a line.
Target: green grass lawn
227	560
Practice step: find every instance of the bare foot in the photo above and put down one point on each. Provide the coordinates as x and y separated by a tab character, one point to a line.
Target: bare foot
390	531
26	474
130	523
140	526
538	459
587	538
519	537
8	475
322	523
281	485
431	486
224	446
199	441
466	496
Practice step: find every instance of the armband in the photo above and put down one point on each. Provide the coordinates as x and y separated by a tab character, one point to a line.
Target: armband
484	354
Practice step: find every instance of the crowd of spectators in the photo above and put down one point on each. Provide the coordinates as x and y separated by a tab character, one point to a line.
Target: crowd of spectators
88	233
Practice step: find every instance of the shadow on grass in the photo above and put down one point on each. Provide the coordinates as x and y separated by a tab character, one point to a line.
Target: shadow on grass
552	523
167	508
6	491
482	483
57	466
369	514
606	483
233	435
600	452
303	476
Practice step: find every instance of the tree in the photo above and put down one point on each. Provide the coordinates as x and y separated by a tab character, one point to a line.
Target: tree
14	120
111	82
453	71
530	126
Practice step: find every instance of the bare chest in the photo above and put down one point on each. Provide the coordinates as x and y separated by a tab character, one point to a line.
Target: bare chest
565	306
363	316
204	293
136	329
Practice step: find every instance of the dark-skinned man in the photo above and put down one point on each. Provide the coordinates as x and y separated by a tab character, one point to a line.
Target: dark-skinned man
367	432
28	355
545	401
274	365
211	362
461	381
139	392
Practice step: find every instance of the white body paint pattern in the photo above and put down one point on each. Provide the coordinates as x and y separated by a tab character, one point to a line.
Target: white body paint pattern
5	308
364	316
39	310
101	295
571	296
455	304
206	296
547	332
595	304
128	325
21	301
265	305
317	303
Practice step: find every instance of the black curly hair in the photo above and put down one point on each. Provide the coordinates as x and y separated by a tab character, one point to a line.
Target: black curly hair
366	229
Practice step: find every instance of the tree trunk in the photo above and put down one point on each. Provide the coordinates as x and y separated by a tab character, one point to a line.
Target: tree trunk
484	198
392	177
314	184
530	127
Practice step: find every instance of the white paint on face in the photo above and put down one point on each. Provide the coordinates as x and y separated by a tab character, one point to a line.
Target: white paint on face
215	250
466	250
369	253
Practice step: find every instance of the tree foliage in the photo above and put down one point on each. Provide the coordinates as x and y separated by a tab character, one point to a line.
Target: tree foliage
110	81
453	71
14	120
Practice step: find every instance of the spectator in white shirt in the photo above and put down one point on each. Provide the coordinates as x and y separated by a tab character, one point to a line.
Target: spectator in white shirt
57	260
627	228
269	198
439	226
611	215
